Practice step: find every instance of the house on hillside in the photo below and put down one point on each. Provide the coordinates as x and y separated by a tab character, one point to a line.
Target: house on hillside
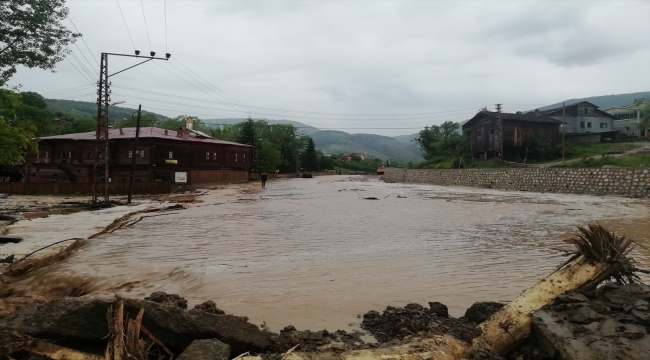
627	118
348	157
185	156
518	130
584	118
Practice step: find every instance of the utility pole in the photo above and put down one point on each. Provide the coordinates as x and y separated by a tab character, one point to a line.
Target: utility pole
563	131
133	154
499	131
102	158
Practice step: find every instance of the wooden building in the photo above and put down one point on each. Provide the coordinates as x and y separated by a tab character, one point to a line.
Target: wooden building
518	130
185	156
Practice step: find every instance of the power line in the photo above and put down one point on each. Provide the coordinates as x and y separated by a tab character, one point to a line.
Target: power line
233	106
88	72
65	90
82	39
301	117
449	112
89	64
145	24
85	76
127	26
226	96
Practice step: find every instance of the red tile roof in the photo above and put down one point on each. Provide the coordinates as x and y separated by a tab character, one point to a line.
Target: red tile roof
145	132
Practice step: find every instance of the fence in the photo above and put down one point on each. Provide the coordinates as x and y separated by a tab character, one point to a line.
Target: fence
117	188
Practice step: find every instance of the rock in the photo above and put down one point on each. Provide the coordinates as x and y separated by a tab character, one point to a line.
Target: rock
483	354
210	307
571	296
439	309
372	314
481	311
414	307
84	319
168	299
598	329
584	315
208	349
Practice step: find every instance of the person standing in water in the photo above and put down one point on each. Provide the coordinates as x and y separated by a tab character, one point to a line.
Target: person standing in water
264	176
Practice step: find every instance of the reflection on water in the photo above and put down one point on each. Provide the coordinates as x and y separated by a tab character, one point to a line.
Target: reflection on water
314	254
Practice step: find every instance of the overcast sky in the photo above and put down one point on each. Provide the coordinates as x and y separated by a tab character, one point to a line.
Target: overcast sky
362	66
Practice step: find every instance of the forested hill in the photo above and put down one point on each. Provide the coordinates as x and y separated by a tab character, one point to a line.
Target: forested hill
74	108
302	128
605	101
383	147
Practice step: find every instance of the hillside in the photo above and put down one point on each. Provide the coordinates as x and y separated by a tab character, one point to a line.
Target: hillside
302	128
71	107
605	101
383	147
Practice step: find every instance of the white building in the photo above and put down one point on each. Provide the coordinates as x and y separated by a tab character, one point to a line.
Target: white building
627	118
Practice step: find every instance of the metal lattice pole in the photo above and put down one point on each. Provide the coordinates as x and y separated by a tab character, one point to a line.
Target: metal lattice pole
101	133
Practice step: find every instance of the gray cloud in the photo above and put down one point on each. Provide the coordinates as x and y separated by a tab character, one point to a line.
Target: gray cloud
379	57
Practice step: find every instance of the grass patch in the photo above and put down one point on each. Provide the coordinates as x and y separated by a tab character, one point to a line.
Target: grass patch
588	150
624	161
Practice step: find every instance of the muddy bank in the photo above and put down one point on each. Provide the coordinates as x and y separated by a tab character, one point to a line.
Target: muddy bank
606	323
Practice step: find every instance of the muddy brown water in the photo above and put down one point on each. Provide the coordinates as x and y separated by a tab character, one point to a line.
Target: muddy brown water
314	254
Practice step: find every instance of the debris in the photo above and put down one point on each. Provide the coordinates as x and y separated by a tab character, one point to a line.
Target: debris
10	239
11	217
401	197
163	298
8	260
208	349
481	311
210	307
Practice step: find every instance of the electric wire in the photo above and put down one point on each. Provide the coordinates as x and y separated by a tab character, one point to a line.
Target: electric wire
84	41
303	117
89	64
226	96
125	24
145	24
85	76
233	105
180	77
81	64
448	112
64	90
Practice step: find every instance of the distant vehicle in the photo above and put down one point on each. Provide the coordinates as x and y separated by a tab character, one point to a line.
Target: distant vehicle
380	170
307	175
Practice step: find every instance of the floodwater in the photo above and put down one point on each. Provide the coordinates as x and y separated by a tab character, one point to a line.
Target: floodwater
312	253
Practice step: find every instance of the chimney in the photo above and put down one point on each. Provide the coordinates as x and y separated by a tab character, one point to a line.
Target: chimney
121	131
537	112
165	132
189	123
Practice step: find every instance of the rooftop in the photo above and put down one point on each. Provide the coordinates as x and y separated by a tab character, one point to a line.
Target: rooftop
523	117
146	132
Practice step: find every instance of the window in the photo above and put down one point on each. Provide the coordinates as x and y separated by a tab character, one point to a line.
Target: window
207	155
61	154
491	131
130	154
171	154
586	110
69	154
603	125
627	128
47	154
142	153
215	156
244	156
582	124
235	157
589	124
478	133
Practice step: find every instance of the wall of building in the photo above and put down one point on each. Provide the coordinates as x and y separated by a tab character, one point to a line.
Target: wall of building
620	181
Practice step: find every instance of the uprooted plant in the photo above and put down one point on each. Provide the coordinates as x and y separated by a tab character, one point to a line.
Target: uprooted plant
599	245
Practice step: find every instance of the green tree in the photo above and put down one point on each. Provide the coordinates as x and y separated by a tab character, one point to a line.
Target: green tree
310	158
326	162
33	99
32	35
443	143
644	122
16	137
247	132
224	132
146	120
